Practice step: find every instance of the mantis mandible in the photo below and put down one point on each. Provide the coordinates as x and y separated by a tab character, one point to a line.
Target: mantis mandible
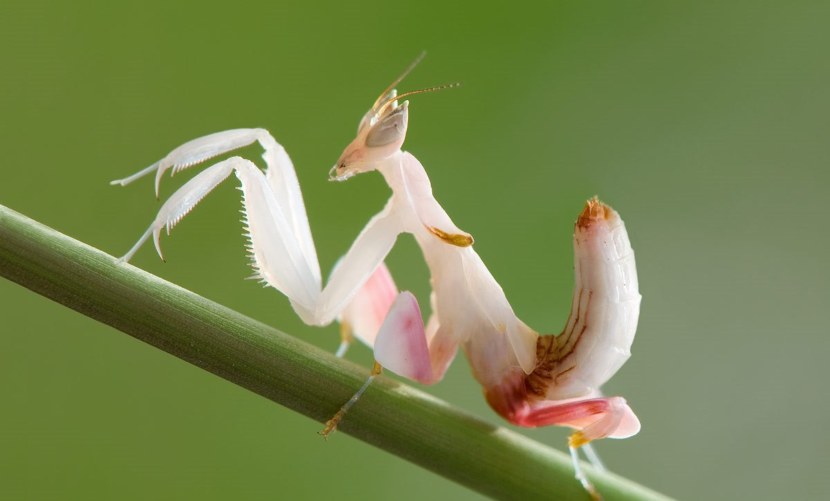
529	379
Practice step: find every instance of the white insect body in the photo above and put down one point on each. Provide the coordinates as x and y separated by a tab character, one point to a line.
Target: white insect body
529	379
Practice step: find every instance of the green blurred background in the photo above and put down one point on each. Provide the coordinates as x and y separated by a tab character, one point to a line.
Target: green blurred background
704	124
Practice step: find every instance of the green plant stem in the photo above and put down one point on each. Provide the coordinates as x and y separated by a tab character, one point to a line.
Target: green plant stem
392	416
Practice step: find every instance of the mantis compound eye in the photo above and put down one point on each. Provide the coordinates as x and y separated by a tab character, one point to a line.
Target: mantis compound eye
390	129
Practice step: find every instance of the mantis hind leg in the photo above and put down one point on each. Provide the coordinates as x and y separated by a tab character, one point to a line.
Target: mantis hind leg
331	424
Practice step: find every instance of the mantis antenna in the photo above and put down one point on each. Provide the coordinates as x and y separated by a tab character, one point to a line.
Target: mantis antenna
436	88
398	80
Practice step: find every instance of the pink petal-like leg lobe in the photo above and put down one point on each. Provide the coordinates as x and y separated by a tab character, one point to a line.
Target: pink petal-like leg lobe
595	418
401	344
365	313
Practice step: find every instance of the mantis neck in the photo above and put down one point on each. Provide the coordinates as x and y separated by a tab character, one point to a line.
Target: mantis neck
390	169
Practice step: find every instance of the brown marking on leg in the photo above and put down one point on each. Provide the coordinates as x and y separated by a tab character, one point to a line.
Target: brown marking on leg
457	239
537	382
568	336
562	373
565	336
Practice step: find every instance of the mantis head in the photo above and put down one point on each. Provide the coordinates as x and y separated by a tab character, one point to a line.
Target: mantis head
381	132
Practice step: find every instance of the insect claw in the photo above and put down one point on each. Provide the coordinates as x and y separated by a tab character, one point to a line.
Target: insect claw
331	425
157	243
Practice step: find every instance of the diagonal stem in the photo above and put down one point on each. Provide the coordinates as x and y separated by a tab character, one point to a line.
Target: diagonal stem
392	416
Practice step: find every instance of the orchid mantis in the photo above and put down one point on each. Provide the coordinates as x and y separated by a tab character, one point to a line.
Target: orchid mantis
530	380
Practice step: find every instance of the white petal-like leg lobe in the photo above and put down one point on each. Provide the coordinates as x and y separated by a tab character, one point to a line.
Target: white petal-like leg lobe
401	345
597	338
365	313
494	306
